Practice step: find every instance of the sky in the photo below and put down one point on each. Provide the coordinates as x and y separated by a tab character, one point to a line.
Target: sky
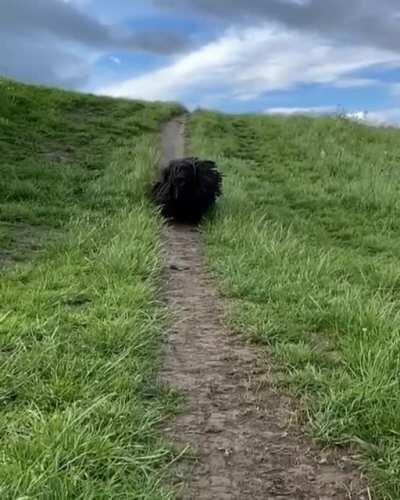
266	56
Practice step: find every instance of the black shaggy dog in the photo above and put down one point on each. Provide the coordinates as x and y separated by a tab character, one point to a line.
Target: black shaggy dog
187	189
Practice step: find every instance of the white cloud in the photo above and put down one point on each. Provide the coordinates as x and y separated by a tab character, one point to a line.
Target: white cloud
115	60
78	2
246	63
317	110
379	118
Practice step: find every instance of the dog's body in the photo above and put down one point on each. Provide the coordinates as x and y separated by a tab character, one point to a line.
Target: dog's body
188	188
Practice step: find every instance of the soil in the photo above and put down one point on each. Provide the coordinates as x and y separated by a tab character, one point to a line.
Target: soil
244	439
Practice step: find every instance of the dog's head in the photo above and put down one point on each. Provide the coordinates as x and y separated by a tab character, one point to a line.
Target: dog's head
183	178
188	187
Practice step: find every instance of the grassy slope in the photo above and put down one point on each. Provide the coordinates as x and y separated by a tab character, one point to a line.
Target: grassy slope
79	322
307	244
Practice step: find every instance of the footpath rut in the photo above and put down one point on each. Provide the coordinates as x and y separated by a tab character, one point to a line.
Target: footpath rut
238	427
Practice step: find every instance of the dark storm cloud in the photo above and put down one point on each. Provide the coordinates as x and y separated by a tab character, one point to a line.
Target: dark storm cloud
34	63
64	21
364	21
37	36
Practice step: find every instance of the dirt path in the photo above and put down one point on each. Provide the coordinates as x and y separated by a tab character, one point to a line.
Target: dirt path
237	425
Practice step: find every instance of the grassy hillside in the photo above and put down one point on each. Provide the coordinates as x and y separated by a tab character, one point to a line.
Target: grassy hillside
79	320
53	145
307	246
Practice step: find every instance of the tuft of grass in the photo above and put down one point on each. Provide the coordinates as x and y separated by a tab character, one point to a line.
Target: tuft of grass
305	244
80	322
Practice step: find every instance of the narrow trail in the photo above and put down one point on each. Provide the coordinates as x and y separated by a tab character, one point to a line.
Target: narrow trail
238	427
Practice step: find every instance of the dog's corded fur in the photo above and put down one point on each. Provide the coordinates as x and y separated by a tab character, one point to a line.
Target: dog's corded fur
187	189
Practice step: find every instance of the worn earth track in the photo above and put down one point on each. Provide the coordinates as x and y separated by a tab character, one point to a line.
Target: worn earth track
238	427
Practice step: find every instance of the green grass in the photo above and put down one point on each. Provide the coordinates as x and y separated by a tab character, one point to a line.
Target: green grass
80	321
306	244
53	144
